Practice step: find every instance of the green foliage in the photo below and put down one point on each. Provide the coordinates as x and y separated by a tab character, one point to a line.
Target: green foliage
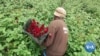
82	20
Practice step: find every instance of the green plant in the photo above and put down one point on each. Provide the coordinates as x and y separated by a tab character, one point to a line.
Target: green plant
82	20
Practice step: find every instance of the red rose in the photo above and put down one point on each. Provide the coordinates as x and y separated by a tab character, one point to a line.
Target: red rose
35	30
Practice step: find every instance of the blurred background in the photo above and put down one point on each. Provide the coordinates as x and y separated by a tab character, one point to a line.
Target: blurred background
83	21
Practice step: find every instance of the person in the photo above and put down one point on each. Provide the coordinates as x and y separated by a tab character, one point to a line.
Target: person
56	42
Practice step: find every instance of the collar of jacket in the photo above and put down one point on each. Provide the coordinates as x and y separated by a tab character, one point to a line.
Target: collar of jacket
59	19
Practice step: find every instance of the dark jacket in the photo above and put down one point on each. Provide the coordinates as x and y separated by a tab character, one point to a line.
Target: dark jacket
56	43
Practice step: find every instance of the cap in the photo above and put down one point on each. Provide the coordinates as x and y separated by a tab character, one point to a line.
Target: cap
60	12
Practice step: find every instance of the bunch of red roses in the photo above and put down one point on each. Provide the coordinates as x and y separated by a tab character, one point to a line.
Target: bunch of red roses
37	30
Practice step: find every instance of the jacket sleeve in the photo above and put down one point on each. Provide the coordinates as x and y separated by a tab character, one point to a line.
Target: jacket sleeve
50	38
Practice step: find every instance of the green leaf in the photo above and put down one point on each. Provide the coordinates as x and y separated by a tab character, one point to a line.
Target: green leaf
1	54
1	47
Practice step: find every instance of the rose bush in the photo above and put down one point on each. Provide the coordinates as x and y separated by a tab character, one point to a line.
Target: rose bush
83	21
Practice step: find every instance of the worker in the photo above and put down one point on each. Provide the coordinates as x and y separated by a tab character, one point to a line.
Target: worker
56	42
